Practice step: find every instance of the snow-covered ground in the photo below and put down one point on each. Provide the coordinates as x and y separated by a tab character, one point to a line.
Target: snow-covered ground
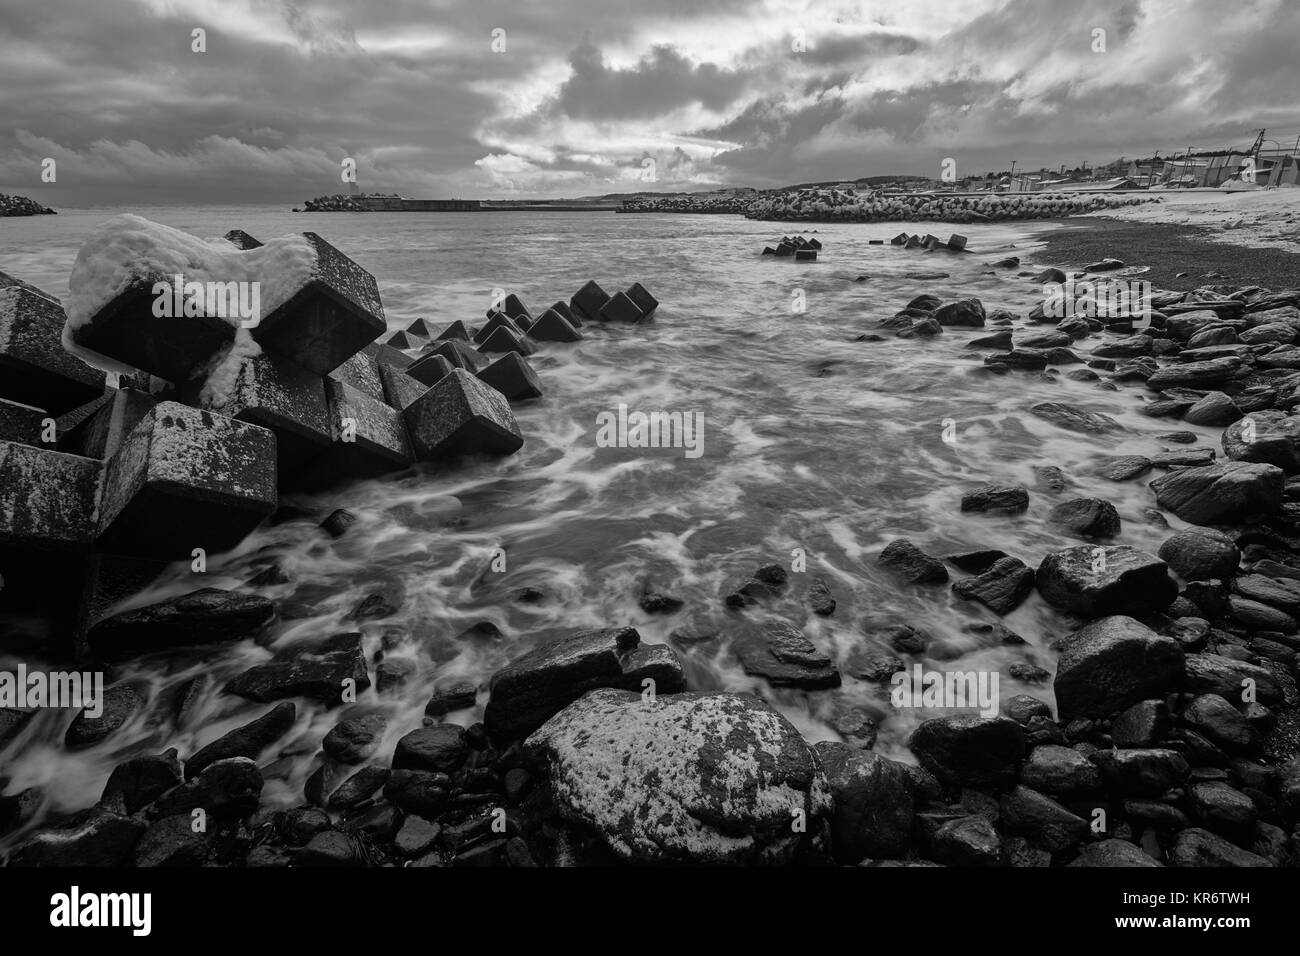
1265	217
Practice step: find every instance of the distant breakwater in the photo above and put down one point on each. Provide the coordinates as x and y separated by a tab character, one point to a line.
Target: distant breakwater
834	205
22	206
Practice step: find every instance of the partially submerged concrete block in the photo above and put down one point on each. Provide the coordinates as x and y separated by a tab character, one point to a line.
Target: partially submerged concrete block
47	499
496	320
647	303
369	438
570	316
620	308
457	330
242	240
503	339
360	371
588	301
419	329
400	340
460	354
430	369
400	388
185	478
553	327
515	308
461	415
332	317
35	369
280	396
513	377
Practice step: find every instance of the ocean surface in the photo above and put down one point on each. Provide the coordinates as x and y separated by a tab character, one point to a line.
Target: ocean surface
813	444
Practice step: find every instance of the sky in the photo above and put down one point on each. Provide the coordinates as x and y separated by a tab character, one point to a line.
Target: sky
567	98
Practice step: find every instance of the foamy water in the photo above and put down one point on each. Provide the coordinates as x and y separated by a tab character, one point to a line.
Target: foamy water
811	441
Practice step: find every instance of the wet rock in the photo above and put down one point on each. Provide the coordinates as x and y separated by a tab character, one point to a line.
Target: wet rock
1124	467
1260	617
1022	707
1094	581
1043	821
139	781
872	800
999	341
1059	770
530	689
1142	725
1156	814
1266	437
1207	375
819	598
970	751
246	741
1110	853
967	842
1215	408
1220	493
118	704
173	842
1201	554
1086	518
1217	674
1142	772
857	727
965	313
690	779
456	696
418	791
338	522
1075	419
226	789
376	605
353	741
204	616
321	673
357	788
416	836
976	561
1211	715
331	848
912	564
783	655
996	499
101	840
1130	347
296	827
1197	847
439	749
1002	588
1112	664
1050	478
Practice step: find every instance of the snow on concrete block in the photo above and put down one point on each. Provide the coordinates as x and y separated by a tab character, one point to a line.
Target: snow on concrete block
186	478
504	340
242	240
496	320
553	327
273	392
369	438
35	369
430	369
588	301
400	389
513	377
462	416
648	303
331	316
620	308
47	499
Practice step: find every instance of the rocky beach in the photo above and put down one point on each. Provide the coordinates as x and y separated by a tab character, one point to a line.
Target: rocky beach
985	581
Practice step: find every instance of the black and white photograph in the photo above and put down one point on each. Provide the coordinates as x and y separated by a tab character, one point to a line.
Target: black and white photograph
837	437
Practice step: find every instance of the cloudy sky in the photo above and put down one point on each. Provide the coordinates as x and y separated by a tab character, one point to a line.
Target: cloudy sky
501	98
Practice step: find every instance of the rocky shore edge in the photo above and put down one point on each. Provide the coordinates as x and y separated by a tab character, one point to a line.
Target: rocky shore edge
22	206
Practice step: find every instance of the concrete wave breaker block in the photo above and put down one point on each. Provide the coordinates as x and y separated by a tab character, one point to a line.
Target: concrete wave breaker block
401	389
333	316
457	330
21	423
461	415
360	371
47	499
241	240
35	369
647	303
569	315
100	435
504	340
497	320
460	354
186	478
553	327
369	438
621	308
430	370
6	280
513	377
588	301
279	396
419	329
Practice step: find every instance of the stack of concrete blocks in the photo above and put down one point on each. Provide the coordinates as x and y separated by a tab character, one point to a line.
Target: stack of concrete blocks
159	466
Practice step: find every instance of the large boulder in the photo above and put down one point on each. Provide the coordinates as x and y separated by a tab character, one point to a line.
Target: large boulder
970	751
966	313
683	779
1092	581
873	803
1112	664
909	562
1224	493
532	688
1201	554
1266	437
